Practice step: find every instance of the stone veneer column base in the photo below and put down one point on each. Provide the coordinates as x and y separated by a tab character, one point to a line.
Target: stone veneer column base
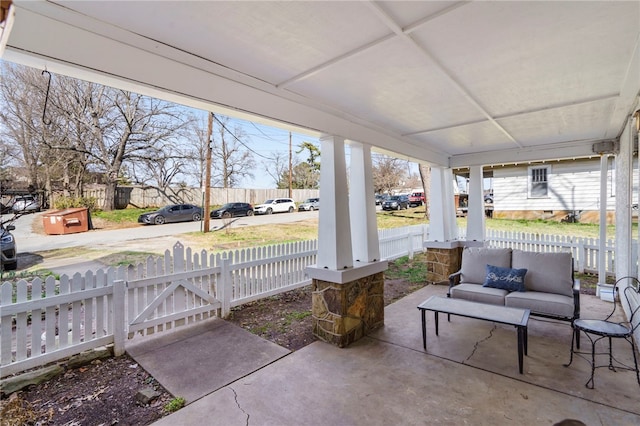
442	262
344	313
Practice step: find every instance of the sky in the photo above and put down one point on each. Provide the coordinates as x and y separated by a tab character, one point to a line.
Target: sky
264	142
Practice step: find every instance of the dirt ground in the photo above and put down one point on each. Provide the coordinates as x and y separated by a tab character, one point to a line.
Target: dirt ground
104	392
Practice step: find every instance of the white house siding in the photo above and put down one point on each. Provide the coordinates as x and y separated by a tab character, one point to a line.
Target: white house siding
573	186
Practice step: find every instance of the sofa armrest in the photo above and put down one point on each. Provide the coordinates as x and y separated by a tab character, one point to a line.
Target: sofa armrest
576	299
454	279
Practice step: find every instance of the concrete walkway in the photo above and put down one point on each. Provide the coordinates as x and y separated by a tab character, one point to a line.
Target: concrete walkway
469	375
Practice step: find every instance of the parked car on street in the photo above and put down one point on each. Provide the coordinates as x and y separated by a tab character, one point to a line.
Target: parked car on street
380	198
172	213
416	199
309	204
232	210
8	250
396	202
275	205
25	204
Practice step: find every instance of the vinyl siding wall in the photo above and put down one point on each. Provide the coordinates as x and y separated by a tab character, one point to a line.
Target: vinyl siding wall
572	186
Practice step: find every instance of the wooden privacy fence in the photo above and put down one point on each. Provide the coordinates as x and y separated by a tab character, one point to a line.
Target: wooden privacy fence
45	321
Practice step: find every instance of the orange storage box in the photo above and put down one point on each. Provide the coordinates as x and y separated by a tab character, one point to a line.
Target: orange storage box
66	221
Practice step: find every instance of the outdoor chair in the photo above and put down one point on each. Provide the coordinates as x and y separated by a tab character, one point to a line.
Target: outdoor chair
598	329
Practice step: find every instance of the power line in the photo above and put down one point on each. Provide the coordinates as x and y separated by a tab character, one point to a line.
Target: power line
241	143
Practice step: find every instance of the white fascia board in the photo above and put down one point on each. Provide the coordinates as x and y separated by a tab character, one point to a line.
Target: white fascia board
80	47
569	150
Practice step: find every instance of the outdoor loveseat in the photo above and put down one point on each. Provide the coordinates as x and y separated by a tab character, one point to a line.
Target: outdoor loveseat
540	282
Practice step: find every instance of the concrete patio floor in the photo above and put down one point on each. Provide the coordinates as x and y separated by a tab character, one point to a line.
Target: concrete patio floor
468	375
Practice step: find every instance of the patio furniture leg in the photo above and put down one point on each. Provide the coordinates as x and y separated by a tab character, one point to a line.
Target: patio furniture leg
573	339
521	345
611	367
590	383
424	330
435	314
635	359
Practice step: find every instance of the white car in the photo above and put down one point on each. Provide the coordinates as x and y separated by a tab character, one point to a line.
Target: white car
25	204
275	205
310	204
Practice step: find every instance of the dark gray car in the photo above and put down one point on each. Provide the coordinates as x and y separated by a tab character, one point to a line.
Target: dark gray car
232	210
171	214
396	202
8	251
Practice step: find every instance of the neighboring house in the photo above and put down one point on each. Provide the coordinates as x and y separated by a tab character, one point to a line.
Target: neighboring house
558	190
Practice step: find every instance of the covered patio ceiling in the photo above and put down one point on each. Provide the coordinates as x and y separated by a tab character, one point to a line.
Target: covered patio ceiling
450	83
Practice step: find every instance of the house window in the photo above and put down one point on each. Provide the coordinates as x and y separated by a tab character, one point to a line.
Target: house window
539	181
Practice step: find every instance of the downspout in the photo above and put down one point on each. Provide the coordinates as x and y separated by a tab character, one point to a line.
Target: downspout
602	245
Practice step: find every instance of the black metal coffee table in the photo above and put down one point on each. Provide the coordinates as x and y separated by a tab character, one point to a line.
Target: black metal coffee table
517	317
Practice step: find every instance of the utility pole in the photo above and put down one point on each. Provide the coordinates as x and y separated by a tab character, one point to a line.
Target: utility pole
290	171
207	179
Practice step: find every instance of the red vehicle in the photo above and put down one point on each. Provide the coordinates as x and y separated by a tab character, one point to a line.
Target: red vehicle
416	199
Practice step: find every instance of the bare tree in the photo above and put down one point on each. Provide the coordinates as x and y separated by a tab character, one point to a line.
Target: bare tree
195	150
277	165
230	156
22	96
388	173
88	126
425	177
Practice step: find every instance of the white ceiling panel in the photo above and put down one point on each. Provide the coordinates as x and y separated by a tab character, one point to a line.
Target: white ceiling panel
443	82
468	138
400	91
520	56
271	41
585	122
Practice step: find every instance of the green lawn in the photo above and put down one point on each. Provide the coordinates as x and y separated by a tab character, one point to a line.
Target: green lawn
298	231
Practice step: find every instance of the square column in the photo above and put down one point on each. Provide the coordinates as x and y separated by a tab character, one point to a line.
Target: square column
475	216
442	226
334	233
348	294
364	226
344	313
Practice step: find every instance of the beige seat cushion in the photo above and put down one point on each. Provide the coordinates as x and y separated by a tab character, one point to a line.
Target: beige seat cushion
556	305
476	259
546	272
477	293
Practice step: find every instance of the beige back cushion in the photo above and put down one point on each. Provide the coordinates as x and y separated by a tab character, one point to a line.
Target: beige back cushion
546	272
476	259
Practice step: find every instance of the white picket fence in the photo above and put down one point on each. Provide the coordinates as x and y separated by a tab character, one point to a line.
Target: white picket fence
112	305
45	321
585	251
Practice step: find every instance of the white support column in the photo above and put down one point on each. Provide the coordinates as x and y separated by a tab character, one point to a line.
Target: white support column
636	128
602	258
362	206
442	222
475	214
334	233
624	265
